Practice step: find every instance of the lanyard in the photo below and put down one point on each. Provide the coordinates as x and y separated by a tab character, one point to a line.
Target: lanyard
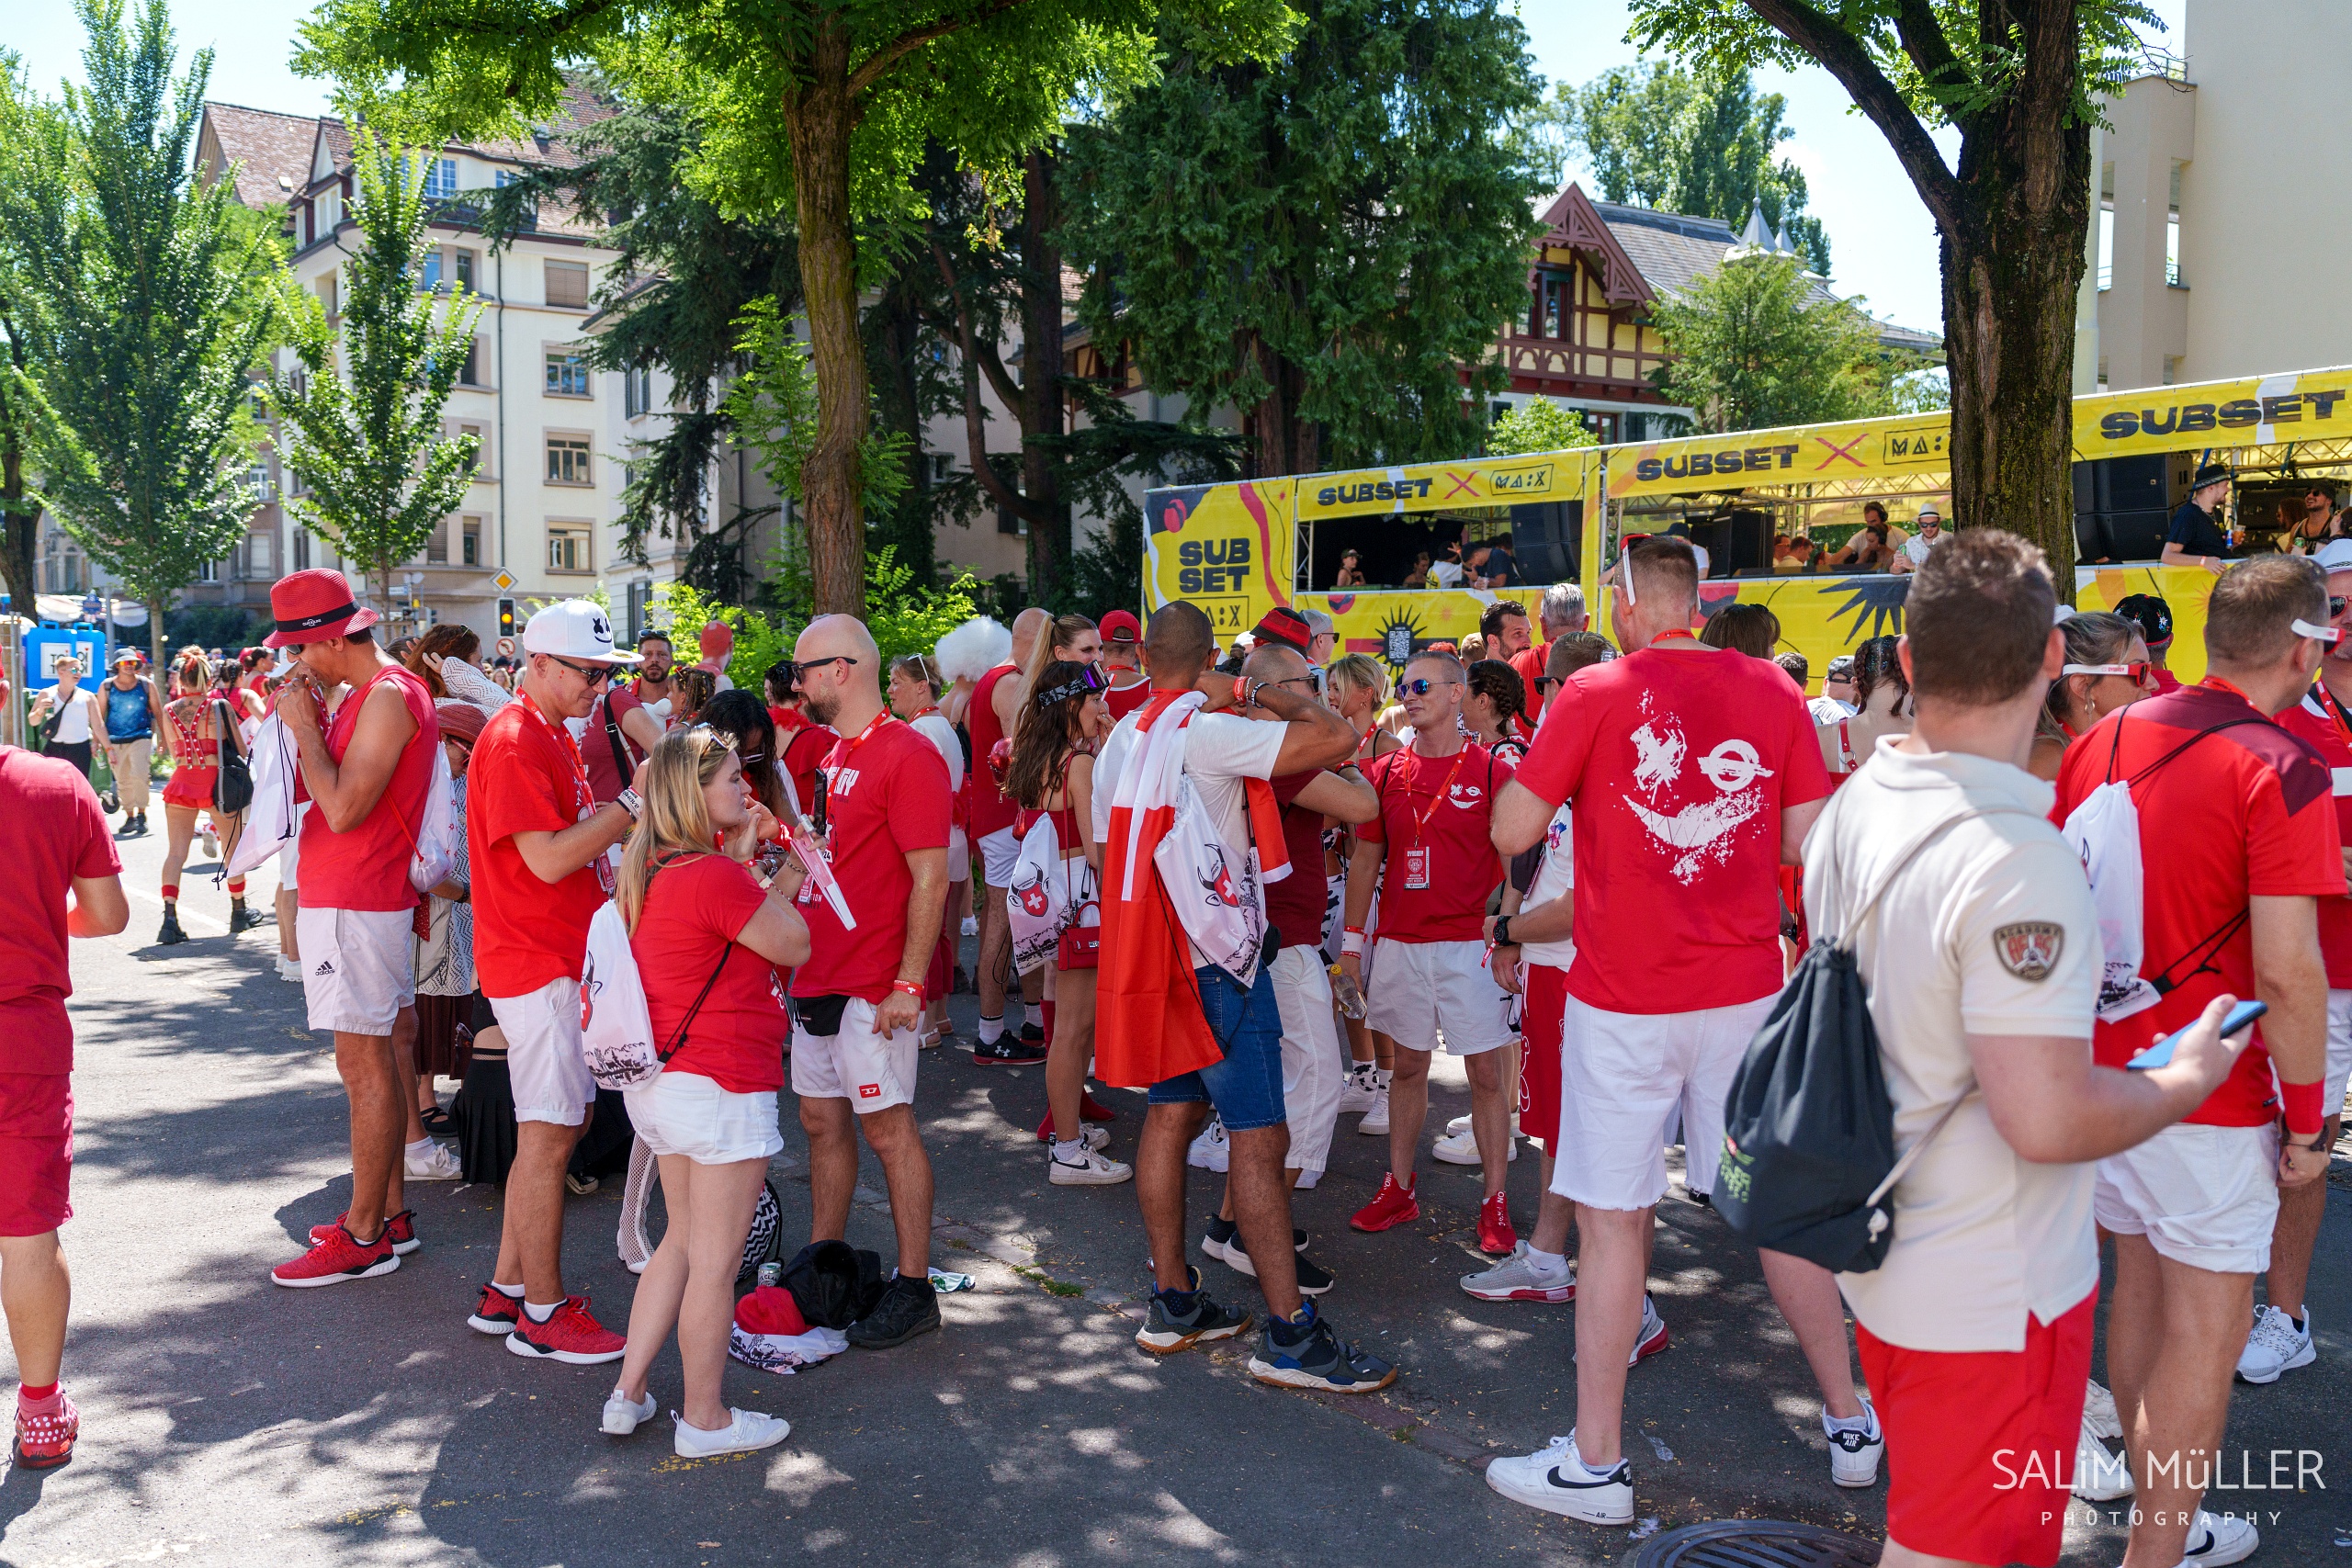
2333	709
921	712
1422	821
582	797
825	775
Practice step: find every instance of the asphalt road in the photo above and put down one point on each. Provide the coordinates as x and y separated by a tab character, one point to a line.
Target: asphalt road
228	1421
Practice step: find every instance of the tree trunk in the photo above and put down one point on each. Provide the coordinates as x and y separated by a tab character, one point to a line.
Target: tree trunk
20	559
1041	371
163	671
818	116
1284	443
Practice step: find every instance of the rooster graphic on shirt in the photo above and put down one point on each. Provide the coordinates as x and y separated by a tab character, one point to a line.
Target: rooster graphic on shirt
1697	831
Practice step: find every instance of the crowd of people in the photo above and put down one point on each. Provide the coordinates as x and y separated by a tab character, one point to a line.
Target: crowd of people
1265	883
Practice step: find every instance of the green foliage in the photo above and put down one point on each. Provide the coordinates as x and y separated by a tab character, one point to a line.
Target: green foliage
758	641
773	406
1538	425
363	425
1758	344
1662	135
142	305
904	615
1323	241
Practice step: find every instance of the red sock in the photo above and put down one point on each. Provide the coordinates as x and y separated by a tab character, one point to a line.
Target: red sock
1048	1007
171	892
45	1402
236	887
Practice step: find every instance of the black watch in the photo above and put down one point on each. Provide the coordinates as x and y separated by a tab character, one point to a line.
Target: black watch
1502	931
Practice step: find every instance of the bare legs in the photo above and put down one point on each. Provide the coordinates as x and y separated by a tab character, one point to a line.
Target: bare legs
690	1283
896	1142
530	1245
1807	1296
2296	1233
1073	1043
2173	1338
36	1289
373	1083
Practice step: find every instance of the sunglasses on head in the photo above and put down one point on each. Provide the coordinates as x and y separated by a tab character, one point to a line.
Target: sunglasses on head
1088	680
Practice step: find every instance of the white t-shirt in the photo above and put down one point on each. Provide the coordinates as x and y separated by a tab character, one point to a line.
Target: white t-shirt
1555	879
1990	930
1829	710
933	726
1917	547
1221	750
1446	573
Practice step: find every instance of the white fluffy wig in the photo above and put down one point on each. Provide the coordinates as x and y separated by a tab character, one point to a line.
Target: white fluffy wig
973	648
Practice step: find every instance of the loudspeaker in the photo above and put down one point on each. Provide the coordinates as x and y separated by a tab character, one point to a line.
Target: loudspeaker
1545	537
2137	534
2133	484
2093	542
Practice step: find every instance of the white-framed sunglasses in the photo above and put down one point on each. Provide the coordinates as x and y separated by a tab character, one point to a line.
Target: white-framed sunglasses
2317	634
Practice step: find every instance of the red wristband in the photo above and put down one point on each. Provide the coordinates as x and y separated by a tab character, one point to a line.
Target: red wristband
908	986
1241	691
2305	1112
1358	930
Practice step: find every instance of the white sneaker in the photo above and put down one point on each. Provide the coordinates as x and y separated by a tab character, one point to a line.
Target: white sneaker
971	925
289	968
621	1417
1555	1479
2217	1538
1092	1171
1462	1148
1306	1182
1358	1091
1652	1339
1210	1151
212	843
1515	1279
1854	1455
1375	1121
438	1162
748	1430
2100	1476
2275	1345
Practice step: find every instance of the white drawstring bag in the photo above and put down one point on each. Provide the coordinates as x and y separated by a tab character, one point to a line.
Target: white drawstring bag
2104	831
273	818
1215	889
615	1026
1038	897
437	828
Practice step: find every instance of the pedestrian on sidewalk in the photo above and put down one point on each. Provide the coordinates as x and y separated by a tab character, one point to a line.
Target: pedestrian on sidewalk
537	840
365	773
64	880
708	940
134	715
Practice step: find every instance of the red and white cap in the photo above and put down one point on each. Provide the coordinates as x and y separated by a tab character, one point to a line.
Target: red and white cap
575	628
315	605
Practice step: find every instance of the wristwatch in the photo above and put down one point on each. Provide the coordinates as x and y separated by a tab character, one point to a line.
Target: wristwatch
629	800
1502	931
2318	1146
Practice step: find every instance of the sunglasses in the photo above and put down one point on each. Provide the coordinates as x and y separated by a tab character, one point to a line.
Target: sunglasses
1421	686
800	670
1088	680
2317	634
2137	669
594	675
2335	608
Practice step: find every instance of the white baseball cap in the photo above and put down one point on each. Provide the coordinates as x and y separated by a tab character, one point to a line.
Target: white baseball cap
575	628
2334	556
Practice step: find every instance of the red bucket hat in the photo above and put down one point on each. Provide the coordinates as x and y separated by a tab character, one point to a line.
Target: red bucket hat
314	606
1285	626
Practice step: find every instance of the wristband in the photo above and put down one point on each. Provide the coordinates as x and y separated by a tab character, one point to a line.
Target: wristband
629	800
2306	1116
908	986
1241	691
1352	943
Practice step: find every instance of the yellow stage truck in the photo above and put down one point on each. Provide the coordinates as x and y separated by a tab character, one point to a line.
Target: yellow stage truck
1239	549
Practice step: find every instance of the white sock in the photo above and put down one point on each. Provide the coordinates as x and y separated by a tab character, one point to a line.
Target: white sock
1380	1077
422	1146
991	1030
1866	1422
538	1314
1549	1267
1578	1454
512	1292
1071	1152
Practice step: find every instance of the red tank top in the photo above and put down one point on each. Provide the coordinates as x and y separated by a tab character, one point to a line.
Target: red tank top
366	867
991	809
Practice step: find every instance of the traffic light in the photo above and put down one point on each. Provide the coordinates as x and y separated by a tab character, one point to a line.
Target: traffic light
507	617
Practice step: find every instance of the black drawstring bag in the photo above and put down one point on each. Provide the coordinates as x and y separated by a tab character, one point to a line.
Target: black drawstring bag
1809	1127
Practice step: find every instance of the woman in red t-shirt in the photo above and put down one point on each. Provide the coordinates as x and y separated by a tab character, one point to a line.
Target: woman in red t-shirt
1051	776
707	939
2107	668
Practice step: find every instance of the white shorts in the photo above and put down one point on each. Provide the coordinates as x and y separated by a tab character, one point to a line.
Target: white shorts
869	1071
2339	1052
960	856
686	1113
359	967
1000	852
1626	1078
2203	1196
544	1059
1433	990
1313	1062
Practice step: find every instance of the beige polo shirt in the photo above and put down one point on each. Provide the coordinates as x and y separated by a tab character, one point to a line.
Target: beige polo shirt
1989	931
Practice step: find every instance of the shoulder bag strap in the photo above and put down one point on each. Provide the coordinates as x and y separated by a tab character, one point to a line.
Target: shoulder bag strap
612	733
678	1041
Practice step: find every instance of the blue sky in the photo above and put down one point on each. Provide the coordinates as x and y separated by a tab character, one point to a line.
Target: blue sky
1881	243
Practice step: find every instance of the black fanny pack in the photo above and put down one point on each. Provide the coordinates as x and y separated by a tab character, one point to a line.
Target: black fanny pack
820	1016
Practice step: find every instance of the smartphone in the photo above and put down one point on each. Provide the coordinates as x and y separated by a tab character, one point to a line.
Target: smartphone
2160	1053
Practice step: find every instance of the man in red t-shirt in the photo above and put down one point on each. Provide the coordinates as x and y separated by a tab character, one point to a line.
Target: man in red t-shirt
365	775
884	811
1122	656
64	880
2281	1340
1006	1040
537	843
1694	773
1561	612
621	731
1429	856
2237	845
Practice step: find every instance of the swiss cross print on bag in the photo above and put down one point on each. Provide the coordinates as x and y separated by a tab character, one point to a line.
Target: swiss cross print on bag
437	828
616	1027
1038	897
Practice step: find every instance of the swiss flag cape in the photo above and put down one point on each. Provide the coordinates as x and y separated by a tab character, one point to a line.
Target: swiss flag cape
1148	1022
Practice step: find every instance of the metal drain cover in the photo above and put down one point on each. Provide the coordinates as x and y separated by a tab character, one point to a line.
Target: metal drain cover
1756	1543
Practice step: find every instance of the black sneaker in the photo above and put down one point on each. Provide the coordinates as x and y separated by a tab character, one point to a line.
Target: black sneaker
1295	1354
170	934
240	918
1313	1278
908	1307
1008	1051
1178	1320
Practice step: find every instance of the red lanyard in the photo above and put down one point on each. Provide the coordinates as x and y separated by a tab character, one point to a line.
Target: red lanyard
2334	710
582	797
877	722
1422	821
921	712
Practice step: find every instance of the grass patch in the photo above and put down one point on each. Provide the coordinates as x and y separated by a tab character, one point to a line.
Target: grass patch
1052	1285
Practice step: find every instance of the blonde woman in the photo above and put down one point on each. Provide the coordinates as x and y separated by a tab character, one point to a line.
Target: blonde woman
707	939
1358	687
192	724
1358	690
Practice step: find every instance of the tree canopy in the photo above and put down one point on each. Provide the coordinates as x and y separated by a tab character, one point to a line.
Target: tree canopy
1324	239
1660	135
1756	344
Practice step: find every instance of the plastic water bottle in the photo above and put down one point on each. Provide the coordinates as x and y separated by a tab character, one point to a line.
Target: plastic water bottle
1350	1000
770	1274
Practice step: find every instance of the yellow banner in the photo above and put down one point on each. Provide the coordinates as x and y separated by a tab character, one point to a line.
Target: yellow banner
2300	405
1394	624
1800	455
1437	487
1226	547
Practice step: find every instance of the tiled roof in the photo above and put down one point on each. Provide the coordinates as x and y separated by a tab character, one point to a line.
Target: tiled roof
272	150
578	107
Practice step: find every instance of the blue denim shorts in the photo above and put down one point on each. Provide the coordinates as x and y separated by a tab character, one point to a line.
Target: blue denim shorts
1247	1087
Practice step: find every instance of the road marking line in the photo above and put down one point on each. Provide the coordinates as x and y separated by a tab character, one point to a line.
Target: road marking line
186	917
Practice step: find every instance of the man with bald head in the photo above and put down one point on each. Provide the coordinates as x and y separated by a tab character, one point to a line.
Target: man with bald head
882	807
1006	1039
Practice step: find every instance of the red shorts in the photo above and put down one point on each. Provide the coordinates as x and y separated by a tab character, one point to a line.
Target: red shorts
1543	1010
1980	1445
36	1151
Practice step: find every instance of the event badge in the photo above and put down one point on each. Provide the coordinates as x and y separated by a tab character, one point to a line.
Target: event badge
1417	867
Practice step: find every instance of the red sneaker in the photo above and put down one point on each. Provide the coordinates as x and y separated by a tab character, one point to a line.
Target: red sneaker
496	1313
44	1442
338	1257
1391	1206
572	1335
1495	1235
1093	1109
402	1228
